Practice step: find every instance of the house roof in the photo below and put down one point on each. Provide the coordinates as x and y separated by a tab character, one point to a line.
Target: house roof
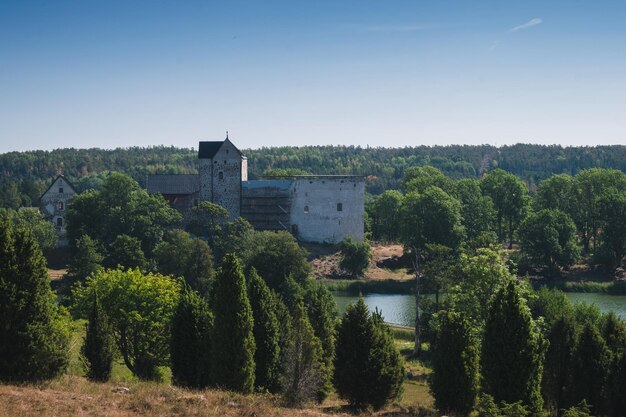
173	184
207	150
55	181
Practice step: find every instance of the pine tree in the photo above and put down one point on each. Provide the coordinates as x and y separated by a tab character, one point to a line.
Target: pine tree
34	334
99	345
454	381
513	351
617	386
368	368
233	340
557	382
303	364
190	348
266	334
591	368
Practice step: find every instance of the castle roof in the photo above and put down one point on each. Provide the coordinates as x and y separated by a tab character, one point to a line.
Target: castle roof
173	184
208	149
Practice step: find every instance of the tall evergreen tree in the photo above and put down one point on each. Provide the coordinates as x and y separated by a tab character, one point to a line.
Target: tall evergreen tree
233	340
98	348
617	387
322	312
266	334
591	369
557	382
513	351
454	381
190	348
303	364
34	334
368	368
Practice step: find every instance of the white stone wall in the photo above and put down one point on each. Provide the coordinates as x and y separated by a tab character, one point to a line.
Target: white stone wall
54	206
315	212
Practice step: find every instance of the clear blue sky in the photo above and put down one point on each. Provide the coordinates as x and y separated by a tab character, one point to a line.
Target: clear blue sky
379	73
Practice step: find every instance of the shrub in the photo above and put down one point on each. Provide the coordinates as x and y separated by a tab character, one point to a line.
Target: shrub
355	256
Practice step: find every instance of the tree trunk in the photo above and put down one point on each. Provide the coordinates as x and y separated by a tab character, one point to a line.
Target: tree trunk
416	347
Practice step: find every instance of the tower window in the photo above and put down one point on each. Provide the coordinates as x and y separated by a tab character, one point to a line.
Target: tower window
306	209
339	207
220	175
59	222
61	190
60	205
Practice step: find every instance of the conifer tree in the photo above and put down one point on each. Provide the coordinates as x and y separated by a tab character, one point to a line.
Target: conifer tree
99	345
266	334
34	332
557	382
368	368
513	351
303	364
591	368
233	340
454	381
190	348
322	312
85	259
617	386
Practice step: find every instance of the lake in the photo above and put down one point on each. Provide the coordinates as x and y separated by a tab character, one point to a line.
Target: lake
400	308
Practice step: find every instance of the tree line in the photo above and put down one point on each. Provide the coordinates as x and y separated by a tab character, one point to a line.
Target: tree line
26	175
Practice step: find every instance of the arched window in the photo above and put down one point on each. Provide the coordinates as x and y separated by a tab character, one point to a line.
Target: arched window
306	209
60	205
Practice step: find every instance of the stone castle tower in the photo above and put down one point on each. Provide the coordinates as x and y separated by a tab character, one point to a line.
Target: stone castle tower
222	169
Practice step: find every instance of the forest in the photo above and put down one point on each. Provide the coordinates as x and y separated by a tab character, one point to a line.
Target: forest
25	175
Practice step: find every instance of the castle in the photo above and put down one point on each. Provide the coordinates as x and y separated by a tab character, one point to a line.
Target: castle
322	209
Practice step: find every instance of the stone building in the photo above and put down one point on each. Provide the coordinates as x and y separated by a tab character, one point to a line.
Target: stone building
54	205
323	209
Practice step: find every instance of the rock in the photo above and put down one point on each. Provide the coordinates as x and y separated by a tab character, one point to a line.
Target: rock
121	390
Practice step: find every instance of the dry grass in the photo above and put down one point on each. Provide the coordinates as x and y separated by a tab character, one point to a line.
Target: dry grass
75	396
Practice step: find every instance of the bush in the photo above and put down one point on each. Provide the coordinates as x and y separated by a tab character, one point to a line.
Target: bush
368	368
355	256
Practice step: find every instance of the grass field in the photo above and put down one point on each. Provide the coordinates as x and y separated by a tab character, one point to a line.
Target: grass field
73	395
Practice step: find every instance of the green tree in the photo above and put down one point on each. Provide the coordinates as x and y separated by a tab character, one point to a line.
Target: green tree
617	386
322	313
34	333
98	350
558	382
385	214
266	332
207	220
612	211
238	236
419	179
123	208
126	251
85	259
190	346
455	377
276	256
233	340
478	215
182	255
548	237
355	256
509	196
589	186
613	331
303	363
513	351
44	231
368	368
556	193
592	361
140	308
